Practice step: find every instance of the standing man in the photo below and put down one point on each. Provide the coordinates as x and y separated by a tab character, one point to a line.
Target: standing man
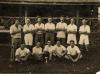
39	28
84	31
28	30
73	52
50	31
15	31
61	27
71	30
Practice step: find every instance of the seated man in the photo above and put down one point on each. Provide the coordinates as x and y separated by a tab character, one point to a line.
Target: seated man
37	52
22	54
59	50
48	50
73	52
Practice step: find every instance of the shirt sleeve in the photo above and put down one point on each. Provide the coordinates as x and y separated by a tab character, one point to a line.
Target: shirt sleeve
24	28
46	27
54	27
63	48
32	27
33	50
78	50
57	26
88	29
75	28
35	26
27	51
68	52
17	52
11	29
65	26
43	27
45	48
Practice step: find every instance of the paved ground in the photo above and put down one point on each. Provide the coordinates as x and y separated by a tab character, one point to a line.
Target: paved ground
88	65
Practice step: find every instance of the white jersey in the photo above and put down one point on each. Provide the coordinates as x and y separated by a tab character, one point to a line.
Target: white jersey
28	28
63	26
39	26
28	38
13	29
84	38
48	48
59	49
21	52
70	35
73	51
49	26
37	50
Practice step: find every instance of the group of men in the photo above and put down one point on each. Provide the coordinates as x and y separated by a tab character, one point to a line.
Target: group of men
45	33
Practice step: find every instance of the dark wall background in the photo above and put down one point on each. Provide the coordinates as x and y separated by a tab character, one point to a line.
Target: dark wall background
48	10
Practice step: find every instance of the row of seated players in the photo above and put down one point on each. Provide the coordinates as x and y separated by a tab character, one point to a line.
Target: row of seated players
58	51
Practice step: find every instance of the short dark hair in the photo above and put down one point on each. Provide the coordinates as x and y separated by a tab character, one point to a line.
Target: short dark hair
72	41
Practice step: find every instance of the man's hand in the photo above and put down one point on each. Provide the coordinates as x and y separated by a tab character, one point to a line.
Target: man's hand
15	32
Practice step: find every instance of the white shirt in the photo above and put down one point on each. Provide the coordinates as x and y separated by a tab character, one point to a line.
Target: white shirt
28	28
85	28
59	49
49	26
62	26
39	26
48	48
13	29
21	52
37	50
73	51
71	28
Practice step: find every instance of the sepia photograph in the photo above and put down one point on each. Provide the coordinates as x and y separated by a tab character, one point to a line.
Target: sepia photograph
49	36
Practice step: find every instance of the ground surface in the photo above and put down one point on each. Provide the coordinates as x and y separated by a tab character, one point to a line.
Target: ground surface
90	64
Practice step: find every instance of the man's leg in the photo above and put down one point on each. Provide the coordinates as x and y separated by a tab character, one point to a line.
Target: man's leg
46	37
86	47
13	48
63	41
52	38
36	38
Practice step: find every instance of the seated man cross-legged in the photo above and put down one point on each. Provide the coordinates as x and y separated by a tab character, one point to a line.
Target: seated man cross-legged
59	51
47	52
22	54
37	52
73	52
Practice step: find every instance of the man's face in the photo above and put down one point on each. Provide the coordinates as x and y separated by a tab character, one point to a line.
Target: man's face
58	43
49	43
72	21
27	21
84	22
49	20
22	47
39	20
38	44
72	44
61	18
16	22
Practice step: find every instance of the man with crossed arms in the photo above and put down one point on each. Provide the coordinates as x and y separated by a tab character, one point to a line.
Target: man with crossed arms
50	31
28	30
71	30
84	31
39	31
61	28
15	31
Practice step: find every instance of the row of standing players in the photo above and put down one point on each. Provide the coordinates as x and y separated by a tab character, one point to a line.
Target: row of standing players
49	28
